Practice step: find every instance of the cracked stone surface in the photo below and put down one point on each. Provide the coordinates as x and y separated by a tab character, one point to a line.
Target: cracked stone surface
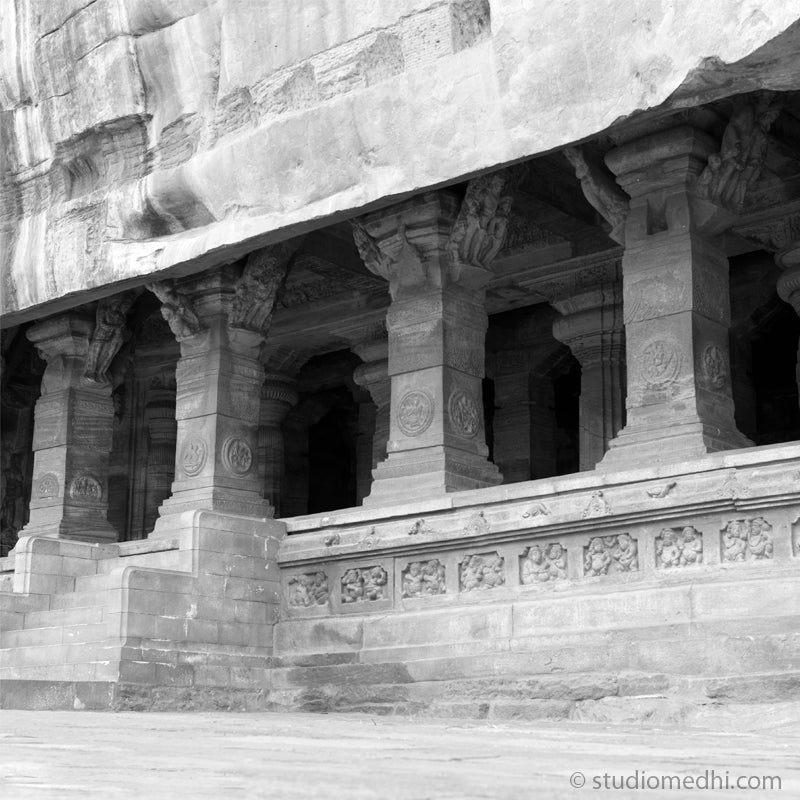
69	755
145	135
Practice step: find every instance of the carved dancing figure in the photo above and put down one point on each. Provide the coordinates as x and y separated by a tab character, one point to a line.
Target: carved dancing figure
374	580
692	549
557	558
758	539
668	549
108	335
534	568
433	577
735	540
597	560
352	586
628	555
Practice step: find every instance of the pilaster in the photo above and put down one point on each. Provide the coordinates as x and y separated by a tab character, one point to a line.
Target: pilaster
592	327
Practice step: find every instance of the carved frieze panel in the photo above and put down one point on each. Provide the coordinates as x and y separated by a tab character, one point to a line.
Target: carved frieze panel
364	584
543	564
424	578
679	547
747	540
609	555
482	571
308	590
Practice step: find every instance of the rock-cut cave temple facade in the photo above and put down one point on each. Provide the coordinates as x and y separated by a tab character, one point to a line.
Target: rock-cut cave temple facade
431	356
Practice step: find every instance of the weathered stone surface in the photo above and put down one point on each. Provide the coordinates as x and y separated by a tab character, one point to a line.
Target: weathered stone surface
216	94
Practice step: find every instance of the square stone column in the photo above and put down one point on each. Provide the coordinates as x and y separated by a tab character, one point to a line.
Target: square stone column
217	407
592	328
436	258
676	302
220	320
373	375
72	436
278	397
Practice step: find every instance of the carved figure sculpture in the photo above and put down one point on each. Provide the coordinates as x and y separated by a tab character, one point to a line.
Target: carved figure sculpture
308	590
730	173
258	288
109	331
352	586
628	553
759	541
599	187
535	568
374	580
557	561
609	554
176	308
482	572
735	541
480	229
678	547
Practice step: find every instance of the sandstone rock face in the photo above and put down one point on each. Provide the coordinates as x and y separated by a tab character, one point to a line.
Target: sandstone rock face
163	136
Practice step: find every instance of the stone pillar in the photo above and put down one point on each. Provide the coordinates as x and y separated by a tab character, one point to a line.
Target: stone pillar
437	259
676	300
373	375
592	328
789	285
161	440
220	321
72	435
278	397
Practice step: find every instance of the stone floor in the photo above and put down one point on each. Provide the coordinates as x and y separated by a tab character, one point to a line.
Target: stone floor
196	755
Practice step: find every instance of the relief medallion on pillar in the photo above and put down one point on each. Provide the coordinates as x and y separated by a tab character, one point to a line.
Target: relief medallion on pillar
415	412
464	414
193	456
48	485
237	456
660	362
85	487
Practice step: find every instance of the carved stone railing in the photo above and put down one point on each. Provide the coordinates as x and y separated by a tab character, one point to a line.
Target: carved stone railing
728	514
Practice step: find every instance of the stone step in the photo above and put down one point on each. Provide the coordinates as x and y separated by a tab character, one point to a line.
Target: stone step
94	597
167	558
55	634
64	616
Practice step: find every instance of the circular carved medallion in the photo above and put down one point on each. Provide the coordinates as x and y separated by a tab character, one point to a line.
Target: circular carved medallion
193	456
85	487
415	412
661	362
464	414
48	485
714	366
237	456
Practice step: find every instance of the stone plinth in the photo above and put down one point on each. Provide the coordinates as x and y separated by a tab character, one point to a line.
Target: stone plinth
72	437
592	327
677	307
437	328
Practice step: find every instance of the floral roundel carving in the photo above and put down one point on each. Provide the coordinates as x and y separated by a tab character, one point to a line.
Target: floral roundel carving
194	456
48	485
415	412
237	456
464	414
660	362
